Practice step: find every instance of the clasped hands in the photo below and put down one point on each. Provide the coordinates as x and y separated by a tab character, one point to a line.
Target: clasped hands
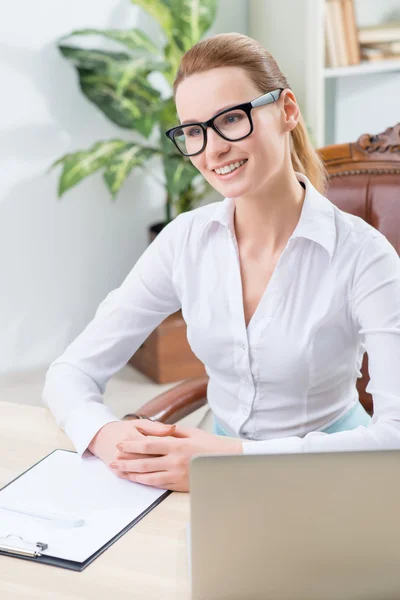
156	454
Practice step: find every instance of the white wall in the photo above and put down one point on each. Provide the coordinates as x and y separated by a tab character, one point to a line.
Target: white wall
366	104
59	259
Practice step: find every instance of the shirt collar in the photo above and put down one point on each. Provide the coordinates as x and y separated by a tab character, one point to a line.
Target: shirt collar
317	219
316	223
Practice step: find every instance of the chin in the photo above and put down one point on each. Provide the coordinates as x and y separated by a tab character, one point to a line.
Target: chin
234	191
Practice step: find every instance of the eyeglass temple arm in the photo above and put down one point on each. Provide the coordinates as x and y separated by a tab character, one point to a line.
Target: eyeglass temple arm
266	98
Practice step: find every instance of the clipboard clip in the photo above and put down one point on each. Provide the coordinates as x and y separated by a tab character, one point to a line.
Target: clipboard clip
37	547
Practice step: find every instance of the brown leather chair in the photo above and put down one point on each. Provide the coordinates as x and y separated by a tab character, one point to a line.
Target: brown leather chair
364	179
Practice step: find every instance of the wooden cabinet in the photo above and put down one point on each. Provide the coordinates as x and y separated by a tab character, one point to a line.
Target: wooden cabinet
166	355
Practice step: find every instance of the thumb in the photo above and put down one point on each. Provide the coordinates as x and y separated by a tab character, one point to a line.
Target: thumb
148	427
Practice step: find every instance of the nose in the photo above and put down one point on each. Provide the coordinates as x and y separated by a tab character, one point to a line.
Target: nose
216	145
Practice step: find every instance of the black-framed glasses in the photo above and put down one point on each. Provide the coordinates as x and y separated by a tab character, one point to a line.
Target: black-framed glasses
232	124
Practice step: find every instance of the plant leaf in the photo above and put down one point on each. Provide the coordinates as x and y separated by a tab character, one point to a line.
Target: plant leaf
134	39
159	10
184	22
123	73
116	172
115	64
91	59
180	173
117	83
192	19
168	115
136	109
78	165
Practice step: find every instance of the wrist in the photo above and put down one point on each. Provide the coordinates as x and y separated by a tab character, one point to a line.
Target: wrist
98	438
238	446
232	445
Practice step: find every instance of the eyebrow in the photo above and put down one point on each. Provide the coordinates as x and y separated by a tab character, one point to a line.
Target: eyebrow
218	111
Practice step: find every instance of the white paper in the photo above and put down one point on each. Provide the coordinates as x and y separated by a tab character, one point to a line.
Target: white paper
67	485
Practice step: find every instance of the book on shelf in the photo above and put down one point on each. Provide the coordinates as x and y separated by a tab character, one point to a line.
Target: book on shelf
381	33
381	51
373	54
351	31
331	54
341	34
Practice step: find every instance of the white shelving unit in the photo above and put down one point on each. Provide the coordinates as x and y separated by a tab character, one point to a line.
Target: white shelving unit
365	67
338	104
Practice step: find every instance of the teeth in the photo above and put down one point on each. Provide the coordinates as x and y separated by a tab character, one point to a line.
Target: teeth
229	168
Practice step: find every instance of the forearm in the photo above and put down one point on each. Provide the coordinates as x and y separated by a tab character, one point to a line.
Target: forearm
76	403
381	435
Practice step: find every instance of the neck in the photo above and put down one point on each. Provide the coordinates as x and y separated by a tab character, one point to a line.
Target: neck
265	221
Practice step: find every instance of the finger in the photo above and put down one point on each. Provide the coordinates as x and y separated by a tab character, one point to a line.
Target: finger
153	427
150	445
143	465
120	474
131	456
162	479
183	432
148	427
167	486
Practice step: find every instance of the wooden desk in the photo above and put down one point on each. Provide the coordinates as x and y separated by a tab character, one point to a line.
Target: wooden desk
149	562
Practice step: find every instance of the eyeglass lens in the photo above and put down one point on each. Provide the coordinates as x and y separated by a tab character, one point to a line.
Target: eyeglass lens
233	125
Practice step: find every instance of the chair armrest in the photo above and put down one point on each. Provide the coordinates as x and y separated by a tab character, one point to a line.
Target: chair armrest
176	403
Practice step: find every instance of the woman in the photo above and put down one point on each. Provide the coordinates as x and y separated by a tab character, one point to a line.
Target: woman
282	292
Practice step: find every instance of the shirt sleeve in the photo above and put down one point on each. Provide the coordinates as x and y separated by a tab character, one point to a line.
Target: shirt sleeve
375	305
76	381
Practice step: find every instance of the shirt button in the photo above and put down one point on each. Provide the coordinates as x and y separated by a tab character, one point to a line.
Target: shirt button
245	410
243	346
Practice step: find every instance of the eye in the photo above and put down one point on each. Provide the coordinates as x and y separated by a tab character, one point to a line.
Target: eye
232	118
193	132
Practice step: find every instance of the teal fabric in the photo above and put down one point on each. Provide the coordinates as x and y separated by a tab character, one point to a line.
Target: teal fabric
353	418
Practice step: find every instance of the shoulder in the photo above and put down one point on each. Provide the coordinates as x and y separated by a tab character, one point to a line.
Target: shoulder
192	223
201	215
372	260
355	236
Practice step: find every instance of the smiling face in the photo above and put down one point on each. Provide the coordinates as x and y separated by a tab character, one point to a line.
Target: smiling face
202	95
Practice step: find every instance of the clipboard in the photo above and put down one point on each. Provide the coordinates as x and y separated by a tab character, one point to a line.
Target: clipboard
27	547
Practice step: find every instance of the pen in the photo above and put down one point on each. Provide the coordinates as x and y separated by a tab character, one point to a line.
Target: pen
60	520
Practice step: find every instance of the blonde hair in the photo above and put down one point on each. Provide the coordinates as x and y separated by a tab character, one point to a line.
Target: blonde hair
237	50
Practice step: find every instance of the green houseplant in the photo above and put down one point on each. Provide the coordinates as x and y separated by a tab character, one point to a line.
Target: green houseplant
117	82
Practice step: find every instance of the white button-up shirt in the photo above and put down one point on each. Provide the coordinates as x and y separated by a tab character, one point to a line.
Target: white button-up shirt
335	292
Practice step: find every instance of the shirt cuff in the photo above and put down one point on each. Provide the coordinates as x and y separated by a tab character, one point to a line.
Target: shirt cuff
84	422
288	445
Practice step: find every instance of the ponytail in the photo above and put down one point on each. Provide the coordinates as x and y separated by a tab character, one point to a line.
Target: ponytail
305	159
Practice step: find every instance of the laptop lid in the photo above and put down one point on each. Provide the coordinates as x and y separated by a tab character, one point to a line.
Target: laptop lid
296	526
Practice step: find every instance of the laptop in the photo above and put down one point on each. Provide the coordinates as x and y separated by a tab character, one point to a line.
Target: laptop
323	526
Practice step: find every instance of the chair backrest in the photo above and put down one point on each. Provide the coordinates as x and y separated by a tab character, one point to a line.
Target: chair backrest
364	180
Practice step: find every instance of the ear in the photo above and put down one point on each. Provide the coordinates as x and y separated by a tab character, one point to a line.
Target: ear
291	110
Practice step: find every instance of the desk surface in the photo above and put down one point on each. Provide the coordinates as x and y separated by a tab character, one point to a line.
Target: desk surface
149	562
